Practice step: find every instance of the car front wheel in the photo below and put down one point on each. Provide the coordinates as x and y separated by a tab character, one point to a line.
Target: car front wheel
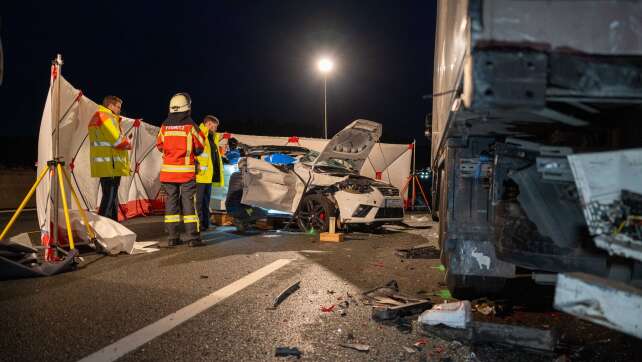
314	213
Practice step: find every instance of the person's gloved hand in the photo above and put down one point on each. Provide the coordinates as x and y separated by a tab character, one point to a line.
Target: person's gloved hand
124	144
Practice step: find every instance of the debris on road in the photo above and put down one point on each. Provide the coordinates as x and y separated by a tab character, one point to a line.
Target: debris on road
287	352
285	294
393	308
389	313
444	294
420	343
356	346
390	288
455	315
409	350
423	251
204	276
534	339
327	309
342	308
512	335
484	309
493	307
389	304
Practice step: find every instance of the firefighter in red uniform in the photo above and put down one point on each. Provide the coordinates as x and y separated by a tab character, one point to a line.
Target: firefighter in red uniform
180	141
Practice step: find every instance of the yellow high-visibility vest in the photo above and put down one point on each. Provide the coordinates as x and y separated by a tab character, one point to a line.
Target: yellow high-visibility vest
105	136
205	171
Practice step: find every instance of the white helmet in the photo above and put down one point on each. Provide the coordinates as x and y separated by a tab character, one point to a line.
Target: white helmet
180	102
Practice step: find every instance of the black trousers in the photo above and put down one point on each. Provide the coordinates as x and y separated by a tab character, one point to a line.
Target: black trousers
109	201
180	207
203	196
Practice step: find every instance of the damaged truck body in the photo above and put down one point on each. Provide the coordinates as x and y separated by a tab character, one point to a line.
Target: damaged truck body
526	95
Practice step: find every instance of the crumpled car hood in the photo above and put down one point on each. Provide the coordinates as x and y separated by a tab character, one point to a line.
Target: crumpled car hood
352	143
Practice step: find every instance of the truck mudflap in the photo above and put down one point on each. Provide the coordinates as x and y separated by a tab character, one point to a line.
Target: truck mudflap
473	269
609	303
473	257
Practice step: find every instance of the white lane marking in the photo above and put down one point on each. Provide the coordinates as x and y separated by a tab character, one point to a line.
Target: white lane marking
146	334
314	251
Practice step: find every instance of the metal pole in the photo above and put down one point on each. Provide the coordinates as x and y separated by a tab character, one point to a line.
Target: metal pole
58	65
414	174
325	107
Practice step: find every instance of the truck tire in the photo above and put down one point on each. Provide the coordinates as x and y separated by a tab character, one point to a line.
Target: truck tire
314	213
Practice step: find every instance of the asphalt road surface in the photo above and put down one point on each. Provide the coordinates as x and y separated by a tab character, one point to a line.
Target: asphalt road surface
209	303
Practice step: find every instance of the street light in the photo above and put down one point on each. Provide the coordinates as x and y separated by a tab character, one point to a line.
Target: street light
325	66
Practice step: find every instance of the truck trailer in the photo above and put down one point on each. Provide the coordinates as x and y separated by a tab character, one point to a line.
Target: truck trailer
535	133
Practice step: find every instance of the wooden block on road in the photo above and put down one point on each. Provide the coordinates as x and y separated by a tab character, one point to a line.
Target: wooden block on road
331	237
221	219
264	224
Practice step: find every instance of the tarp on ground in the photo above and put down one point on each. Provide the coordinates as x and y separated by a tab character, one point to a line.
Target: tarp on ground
140	193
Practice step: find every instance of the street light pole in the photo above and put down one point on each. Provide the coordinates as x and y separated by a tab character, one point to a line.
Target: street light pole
325	66
325	106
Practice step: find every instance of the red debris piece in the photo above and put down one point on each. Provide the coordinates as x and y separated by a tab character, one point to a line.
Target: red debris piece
227	136
438	349
136	123
293	139
79	95
421	342
378	175
378	264
327	309
72	165
411	146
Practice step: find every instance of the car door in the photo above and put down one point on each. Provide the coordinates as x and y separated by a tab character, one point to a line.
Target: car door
266	186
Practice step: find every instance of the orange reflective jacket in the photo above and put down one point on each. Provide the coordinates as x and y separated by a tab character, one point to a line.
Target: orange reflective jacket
180	141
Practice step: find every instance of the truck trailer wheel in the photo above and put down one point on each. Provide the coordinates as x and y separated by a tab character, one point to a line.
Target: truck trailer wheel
314	213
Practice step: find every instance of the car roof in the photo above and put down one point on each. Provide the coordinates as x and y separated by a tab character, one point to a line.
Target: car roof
270	149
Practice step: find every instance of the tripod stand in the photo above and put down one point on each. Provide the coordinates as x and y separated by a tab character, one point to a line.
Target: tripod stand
56	171
410	202
55	168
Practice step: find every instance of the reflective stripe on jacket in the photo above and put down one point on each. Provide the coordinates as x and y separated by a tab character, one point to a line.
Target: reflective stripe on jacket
180	142
105	138
205	172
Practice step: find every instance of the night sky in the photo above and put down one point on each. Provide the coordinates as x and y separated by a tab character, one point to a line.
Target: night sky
252	64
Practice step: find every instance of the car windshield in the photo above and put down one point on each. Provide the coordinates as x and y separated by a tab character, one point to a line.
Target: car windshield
333	162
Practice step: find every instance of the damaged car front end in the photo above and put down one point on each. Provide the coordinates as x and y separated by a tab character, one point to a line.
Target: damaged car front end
325	184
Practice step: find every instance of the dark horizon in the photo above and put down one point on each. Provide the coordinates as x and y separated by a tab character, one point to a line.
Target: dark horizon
251	65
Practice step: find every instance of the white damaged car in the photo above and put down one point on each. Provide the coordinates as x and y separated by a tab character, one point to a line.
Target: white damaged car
325	184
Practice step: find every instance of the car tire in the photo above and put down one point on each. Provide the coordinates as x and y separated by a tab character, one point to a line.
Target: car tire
314	213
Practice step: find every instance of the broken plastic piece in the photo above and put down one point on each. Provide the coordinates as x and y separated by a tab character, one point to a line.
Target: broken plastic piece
444	293
455	315
287	352
356	346
285	294
327	309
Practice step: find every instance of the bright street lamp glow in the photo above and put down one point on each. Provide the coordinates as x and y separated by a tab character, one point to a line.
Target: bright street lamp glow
325	65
